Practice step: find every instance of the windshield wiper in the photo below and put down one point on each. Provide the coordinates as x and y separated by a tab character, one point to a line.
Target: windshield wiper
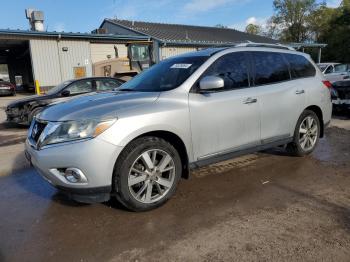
124	89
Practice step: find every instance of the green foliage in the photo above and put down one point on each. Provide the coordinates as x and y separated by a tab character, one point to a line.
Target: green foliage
307	21
338	35
253	29
221	26
292	15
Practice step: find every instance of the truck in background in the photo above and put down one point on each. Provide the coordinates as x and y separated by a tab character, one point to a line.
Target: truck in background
139	58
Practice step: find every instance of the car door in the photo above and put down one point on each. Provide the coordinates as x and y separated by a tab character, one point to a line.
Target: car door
225	120
340	73
281	100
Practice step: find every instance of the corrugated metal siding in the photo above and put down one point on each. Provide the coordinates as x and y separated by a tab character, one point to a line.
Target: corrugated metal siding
45	62
52	65
172	51
78	55
100	52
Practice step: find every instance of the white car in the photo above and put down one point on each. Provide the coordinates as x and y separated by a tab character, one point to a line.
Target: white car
327	68
341	72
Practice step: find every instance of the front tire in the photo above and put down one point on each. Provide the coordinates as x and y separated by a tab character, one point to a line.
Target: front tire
147	173
306	134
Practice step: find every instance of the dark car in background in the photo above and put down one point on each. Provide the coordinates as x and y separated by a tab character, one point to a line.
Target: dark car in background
22	111
7	88
341	95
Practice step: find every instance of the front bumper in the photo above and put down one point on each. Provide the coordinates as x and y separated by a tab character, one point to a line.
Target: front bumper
95	158
16	115
7	92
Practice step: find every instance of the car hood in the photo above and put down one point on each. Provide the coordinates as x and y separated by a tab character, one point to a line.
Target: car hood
21	102
104	105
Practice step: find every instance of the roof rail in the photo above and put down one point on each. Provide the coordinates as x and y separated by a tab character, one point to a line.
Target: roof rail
252	44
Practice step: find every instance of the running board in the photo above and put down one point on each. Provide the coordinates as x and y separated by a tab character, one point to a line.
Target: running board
226	156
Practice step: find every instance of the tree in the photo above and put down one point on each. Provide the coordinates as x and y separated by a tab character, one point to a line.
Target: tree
221	26
338	35
319	22
292	16
253	29
272	28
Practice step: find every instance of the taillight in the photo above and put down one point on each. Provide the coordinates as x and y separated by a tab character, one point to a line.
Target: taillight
327	84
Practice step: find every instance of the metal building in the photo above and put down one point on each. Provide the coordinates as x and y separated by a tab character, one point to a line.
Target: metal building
52	57
174	39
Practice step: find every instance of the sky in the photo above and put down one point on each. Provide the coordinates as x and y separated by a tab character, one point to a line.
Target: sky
86	15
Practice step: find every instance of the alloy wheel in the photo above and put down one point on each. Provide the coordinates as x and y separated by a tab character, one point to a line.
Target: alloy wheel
151	176
308	133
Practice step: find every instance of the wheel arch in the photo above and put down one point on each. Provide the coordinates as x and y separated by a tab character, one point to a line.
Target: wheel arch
317	110
175	141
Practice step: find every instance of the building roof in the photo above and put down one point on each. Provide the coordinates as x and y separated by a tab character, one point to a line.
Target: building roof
54	34
189	34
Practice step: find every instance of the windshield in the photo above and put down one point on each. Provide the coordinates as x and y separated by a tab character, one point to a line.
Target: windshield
166	75
139	53
59	88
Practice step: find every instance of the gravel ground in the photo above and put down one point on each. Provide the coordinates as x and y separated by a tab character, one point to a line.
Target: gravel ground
266	206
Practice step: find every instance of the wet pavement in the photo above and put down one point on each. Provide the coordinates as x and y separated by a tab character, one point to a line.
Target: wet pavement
266	206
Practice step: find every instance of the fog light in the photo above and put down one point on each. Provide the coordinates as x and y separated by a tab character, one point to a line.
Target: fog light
74	175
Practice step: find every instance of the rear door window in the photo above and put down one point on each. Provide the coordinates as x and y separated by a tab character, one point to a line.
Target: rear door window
300	66
233	68
270	67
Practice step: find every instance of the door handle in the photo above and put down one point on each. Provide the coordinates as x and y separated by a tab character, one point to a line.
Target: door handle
250	100
299	92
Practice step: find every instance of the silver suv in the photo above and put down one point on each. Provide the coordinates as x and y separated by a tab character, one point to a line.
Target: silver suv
185	112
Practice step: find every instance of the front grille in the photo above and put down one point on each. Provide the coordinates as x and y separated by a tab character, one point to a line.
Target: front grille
36	130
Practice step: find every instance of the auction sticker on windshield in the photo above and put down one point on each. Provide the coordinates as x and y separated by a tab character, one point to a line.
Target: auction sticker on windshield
181	66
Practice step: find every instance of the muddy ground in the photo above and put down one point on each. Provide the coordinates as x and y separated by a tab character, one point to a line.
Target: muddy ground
266	206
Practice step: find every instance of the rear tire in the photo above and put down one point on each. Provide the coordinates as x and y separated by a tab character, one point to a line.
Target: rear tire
306	134
146	173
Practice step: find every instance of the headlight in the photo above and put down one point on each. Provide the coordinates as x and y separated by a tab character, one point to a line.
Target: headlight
60	132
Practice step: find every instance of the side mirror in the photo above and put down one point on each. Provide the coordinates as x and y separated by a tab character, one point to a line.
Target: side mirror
211	83
65	93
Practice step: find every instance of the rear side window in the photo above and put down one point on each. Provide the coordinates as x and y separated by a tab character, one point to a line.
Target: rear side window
106	84
300	66
340	68
233	68
270	67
